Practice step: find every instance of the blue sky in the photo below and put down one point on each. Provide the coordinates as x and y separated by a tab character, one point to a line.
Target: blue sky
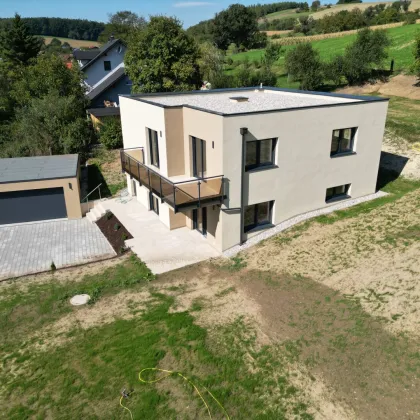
190	12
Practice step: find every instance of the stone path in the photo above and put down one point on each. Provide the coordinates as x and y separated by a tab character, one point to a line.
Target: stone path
30	248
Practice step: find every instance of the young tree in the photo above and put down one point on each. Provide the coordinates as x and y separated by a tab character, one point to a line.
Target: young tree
271	54
237	24
416	53
303	64
110	134
367	51
162	58
316	4
211	62
121	25
16	44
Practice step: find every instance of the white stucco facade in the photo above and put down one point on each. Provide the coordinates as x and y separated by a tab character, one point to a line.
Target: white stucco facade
302	167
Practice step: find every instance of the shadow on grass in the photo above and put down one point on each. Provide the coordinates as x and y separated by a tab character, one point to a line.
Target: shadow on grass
390	168
95	177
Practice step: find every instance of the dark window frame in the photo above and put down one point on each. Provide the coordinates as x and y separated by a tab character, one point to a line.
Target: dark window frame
106	64
339	195
257	224
154	160
258	163
341	137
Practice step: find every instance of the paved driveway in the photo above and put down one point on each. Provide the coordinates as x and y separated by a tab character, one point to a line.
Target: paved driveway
30	248
160	248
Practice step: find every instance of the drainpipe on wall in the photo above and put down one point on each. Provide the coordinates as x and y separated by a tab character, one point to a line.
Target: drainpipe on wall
243	132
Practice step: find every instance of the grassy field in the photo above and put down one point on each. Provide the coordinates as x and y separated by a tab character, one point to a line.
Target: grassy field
415	4
75	43
271	333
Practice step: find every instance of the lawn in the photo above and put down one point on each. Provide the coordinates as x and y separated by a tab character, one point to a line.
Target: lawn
271	333
401	49
75	43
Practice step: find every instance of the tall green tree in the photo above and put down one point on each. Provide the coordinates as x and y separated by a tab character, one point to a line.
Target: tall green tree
237	24
303	64
162	58
368	51
121	25
17	45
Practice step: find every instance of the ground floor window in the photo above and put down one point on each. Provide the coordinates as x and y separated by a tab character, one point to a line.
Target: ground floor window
336	193
258	215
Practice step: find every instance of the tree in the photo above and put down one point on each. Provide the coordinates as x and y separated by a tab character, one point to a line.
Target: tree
237	24
110	134
211	62
16	44
121	25
52	124
271	55
316	4
367	51
162	58
416	53
303	64
45	75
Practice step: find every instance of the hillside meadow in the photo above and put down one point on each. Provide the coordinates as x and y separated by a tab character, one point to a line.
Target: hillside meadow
75	43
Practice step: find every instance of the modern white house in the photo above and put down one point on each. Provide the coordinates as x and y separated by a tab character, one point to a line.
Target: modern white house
233	162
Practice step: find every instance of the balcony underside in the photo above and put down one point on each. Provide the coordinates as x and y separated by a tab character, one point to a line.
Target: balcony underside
180	196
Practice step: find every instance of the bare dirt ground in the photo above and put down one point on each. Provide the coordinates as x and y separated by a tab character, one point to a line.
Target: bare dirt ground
400	85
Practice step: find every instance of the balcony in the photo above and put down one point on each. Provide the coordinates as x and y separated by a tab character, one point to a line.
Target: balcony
179	195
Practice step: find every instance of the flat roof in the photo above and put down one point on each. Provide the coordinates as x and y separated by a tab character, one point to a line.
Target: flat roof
38	168
260	99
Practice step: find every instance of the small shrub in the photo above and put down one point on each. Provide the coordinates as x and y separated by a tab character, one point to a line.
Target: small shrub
109	215
110	134
117	227
124	237
229	61
52	266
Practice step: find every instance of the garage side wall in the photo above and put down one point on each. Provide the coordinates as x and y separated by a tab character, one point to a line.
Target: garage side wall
70	186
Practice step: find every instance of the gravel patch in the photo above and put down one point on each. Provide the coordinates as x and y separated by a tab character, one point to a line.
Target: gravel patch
300	218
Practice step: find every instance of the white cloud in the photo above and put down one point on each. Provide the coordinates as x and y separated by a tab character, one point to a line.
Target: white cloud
192	3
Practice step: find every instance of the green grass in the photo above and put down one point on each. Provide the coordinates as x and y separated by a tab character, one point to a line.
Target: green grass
403	118
83	377
400	50
283	14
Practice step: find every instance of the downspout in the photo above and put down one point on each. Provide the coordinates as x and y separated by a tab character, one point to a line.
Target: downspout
243	132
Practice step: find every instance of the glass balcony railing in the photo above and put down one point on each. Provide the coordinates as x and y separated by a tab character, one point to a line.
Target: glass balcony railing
179	195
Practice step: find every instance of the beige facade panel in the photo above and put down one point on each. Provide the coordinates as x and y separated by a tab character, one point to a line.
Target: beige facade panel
174	131
70	186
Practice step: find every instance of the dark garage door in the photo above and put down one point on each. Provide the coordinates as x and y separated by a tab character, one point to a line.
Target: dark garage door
32	205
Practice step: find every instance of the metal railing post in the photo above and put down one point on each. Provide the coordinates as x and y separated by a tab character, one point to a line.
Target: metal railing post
138	169
100	197
199	193
150	184
174	197
160	182
122	161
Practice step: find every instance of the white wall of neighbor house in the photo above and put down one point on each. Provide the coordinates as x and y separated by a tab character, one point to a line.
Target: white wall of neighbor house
95	72
305	168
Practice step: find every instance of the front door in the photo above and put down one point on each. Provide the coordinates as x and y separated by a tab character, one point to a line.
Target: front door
198	157
200	220
154	203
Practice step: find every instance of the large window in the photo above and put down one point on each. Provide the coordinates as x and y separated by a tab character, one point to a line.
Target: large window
342	141
107	65
337	193
259	153
153	147
257	215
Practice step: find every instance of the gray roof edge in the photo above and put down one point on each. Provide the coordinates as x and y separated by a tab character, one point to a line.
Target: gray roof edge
107	81
101	53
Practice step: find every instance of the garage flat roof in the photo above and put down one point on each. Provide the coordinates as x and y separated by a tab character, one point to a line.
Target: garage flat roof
38	168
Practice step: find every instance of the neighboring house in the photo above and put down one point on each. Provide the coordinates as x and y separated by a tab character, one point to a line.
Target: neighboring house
104	73
39	188
232	162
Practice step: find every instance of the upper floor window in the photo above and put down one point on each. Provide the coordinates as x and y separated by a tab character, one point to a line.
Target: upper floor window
259	153
343	141
337	193
153	147
107	65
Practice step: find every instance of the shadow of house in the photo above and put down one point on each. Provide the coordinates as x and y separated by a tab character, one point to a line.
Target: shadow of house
390	168
92	177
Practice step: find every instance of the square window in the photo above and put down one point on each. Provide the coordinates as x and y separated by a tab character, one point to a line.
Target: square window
337	193
259	153
257	215
107	65
342	141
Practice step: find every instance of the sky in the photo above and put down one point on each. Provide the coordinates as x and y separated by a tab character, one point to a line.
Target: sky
189	12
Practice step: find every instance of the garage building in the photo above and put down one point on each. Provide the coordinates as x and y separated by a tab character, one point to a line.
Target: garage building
39	188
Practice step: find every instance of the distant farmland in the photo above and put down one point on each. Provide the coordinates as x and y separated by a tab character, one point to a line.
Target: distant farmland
75	43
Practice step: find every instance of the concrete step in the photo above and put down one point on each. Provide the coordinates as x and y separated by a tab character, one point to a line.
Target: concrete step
90	216
96	213
100	207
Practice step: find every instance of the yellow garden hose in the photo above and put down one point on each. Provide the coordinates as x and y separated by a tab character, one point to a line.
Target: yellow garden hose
169	373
